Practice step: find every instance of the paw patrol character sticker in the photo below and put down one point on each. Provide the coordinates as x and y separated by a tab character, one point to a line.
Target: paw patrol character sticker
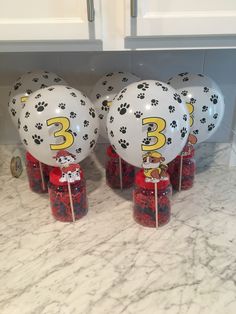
70	170
154	169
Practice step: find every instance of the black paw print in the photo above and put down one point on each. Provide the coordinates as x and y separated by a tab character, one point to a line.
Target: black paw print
35	80
41	106
141	96
73	133
201	75
104	83
169	141
27	114
183	74
173	124
37	139
164	88
192	101
215	116
96	131
25	128
29	91
82	102
123	129
18	123
211	127
123	108
204	108
124	79
13	112
143	86
123	90
147	140
171	109
185	117
73	94
92	112
184	93
150	127
105	105
25	142
98	96
50	89
158	84
73	115
183	132
101	116
17	86
154	102
57	79
111	119
86	123
45	76
13	101
214	99
78	150
203	120
177	98
85	137
112	134
205	89
138	114
123	143
195	131
120	97
62	106
109	74
92	143
185	79
37	96
110	88
39	126
43	86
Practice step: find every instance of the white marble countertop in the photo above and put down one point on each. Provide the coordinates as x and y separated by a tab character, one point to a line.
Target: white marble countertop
106	263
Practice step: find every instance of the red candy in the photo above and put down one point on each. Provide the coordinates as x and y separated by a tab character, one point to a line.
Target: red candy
144	201
60	200
113	171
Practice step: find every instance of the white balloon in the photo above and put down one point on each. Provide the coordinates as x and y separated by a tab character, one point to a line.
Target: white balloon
147	116
58	118
26	85
104	91
205	99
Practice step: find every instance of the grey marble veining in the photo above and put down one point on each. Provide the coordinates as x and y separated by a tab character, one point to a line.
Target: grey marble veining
106	263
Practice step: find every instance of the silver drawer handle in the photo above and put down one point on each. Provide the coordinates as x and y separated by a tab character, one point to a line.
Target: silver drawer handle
90	10
133	8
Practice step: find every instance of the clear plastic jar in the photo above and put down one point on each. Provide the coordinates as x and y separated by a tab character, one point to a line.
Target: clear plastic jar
144	201
113	171
188	169
34	174
60	200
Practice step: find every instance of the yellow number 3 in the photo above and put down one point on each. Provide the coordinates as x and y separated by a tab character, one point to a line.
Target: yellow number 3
190	111
160	137
63	132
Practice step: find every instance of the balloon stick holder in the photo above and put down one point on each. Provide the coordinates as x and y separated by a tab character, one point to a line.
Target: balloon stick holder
71	202
156	204
42	176
180	172
121	176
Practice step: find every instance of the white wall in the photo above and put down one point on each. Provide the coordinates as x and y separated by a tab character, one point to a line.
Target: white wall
82	69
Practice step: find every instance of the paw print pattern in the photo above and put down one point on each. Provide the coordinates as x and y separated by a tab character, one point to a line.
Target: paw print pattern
85	137
185	79
111	119
143	86
112	134
196	132
27	114
57	79
203	120
73	115
35	80
73	94
43	86
92	143
37	96
13	112
110	88
201	75
214	99
123	108
123	90
105	106
101	116
18	123
50	89
150	127
82	102
173	124
184	93
13	101
78	150
92	112
73	133
147	140
138	114
205	89
211	127
215	116
109	74
95	131
171	109
62	106
169	141
45	76
29	91
124	79
177	98
86	123
39	126
104	83
154	102
185	117
141	96
98	96
37	139
25	141
123	143
158	84
17	85
41	106
183	74
183	132
123	129
120	97
204	108
192	101
25	128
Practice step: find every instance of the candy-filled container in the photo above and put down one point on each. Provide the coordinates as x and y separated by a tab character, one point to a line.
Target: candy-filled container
144	201
60	198
113	171
35	175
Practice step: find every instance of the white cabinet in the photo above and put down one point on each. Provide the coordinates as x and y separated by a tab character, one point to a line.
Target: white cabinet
50	21
202	23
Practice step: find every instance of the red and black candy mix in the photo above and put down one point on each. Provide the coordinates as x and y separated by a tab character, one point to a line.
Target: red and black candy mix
144	201
113	171
60	200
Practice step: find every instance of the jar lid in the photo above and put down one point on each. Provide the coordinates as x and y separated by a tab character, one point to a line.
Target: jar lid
111	152
188	151
31	158
55	175
140	181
